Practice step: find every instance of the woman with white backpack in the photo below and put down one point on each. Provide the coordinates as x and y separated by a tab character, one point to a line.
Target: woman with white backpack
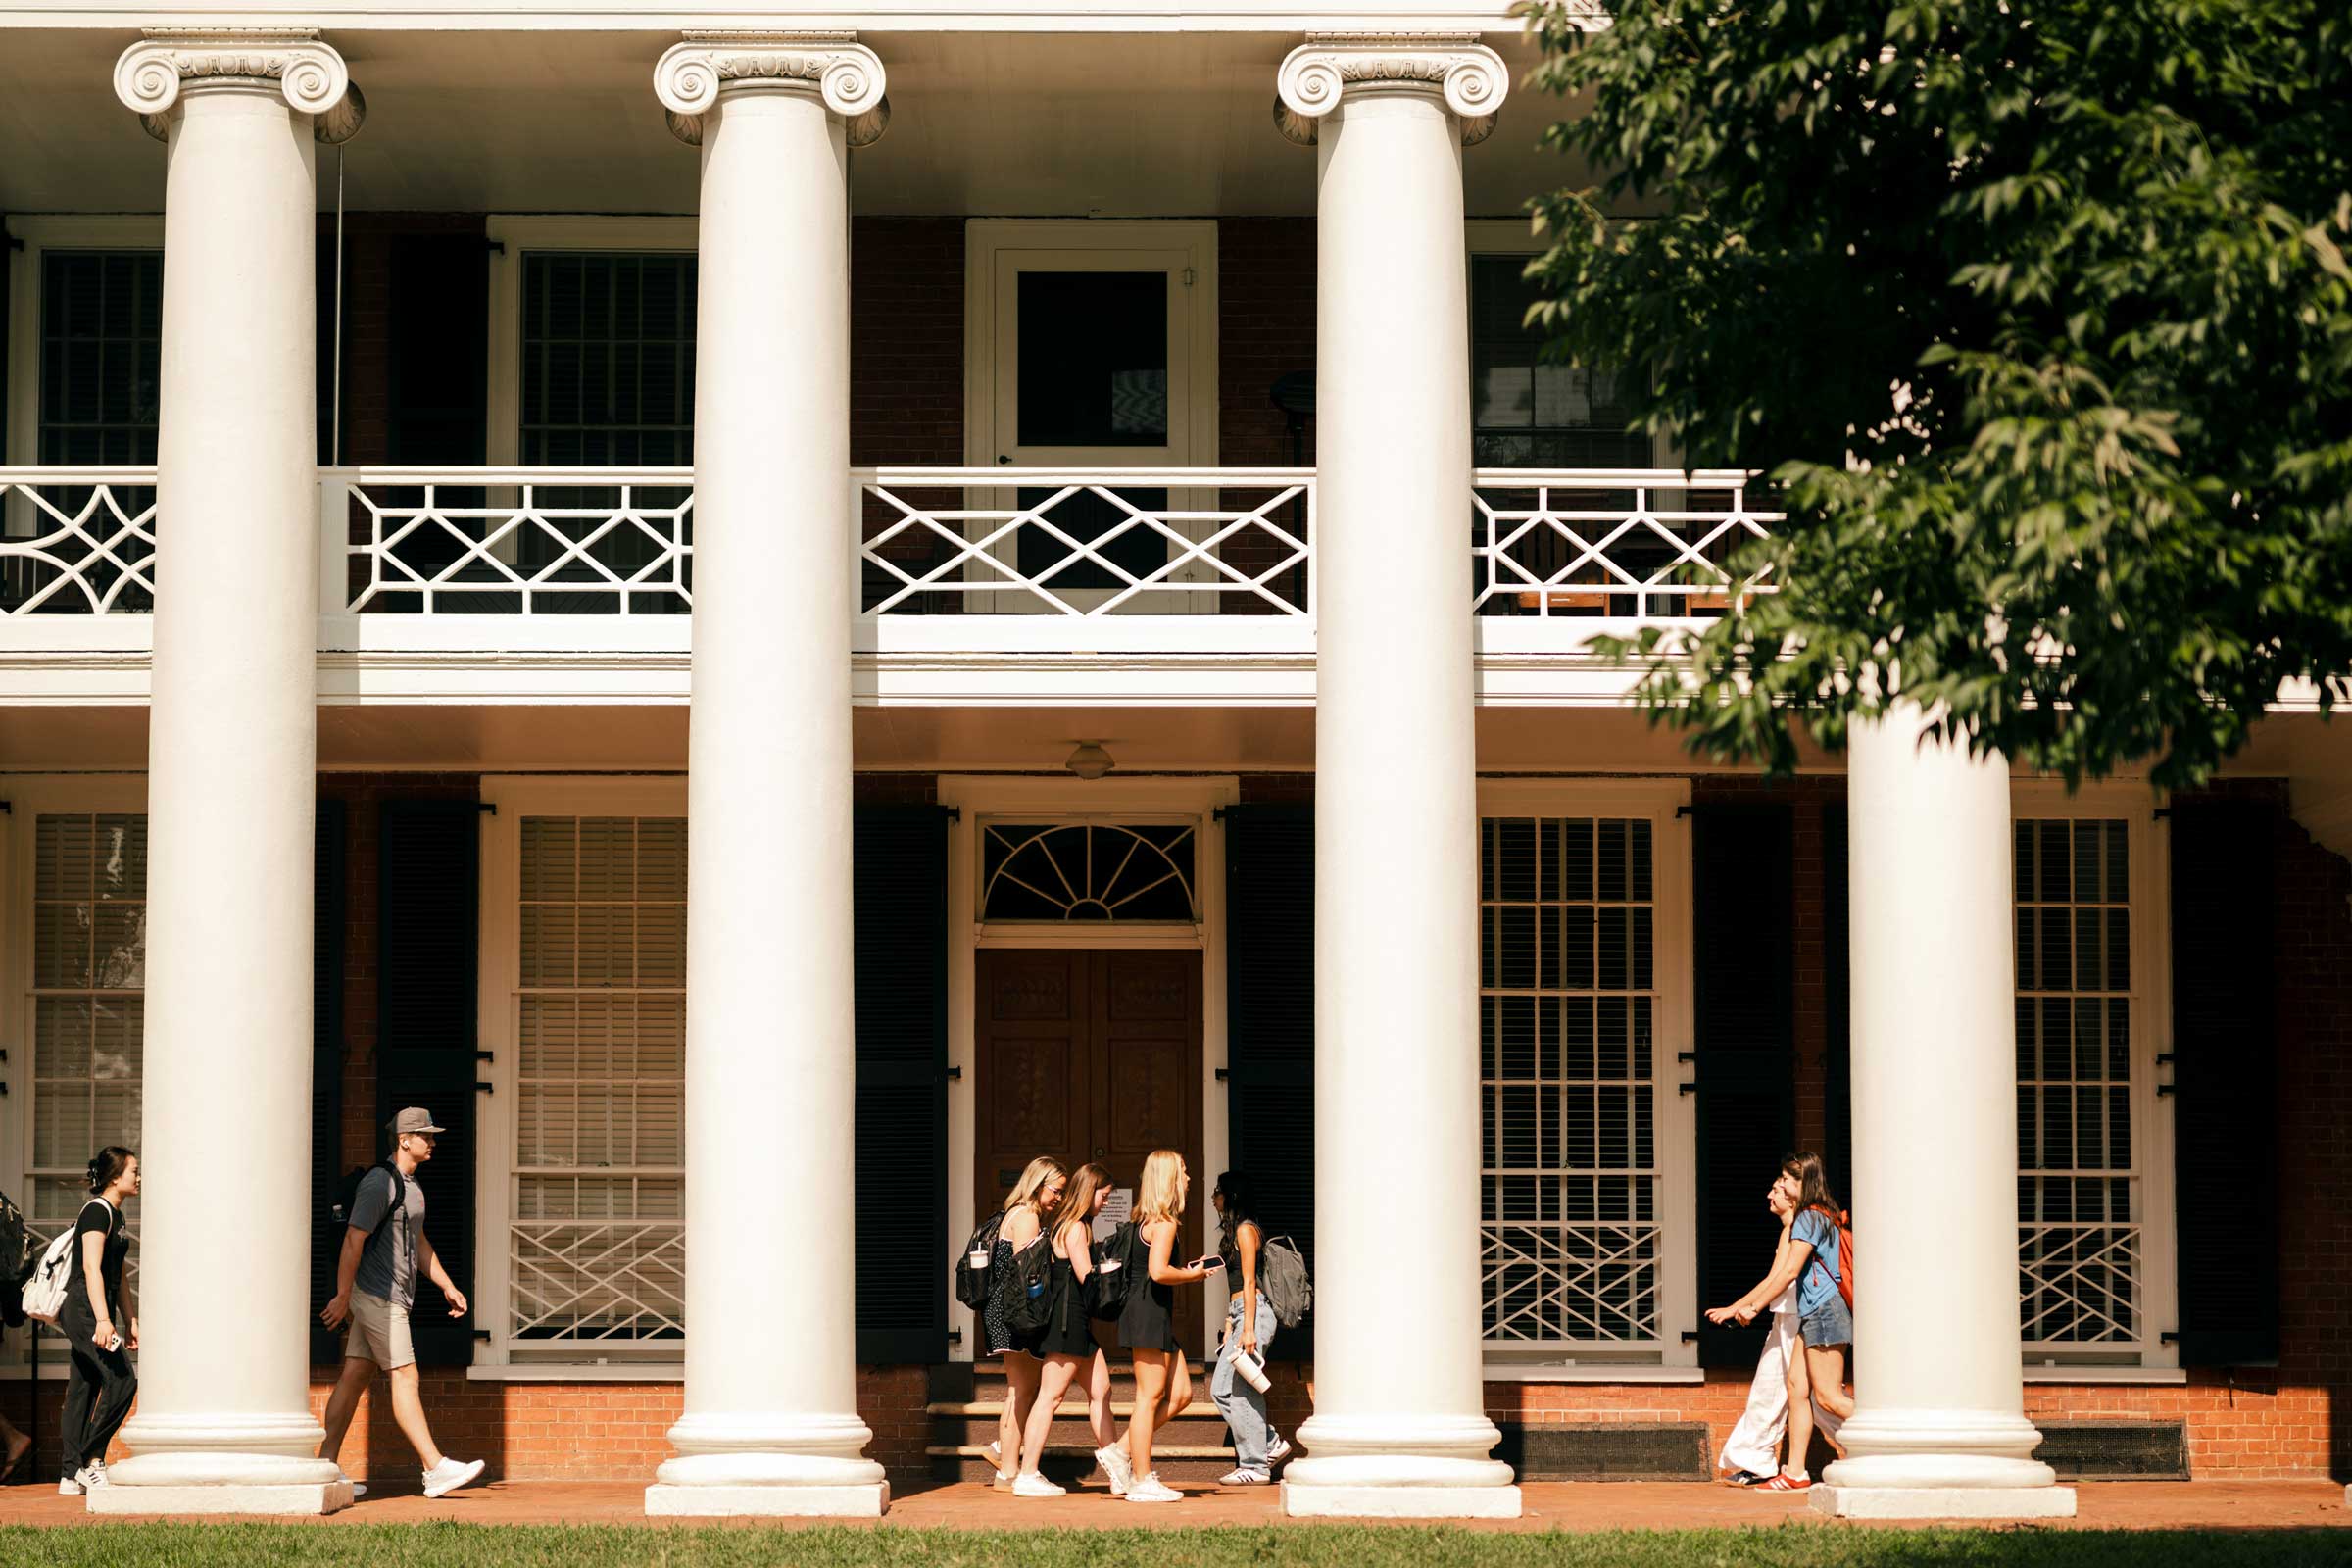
99	1321
1249	1325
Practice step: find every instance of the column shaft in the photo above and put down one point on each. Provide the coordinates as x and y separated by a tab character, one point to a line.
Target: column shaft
770	1421
224	1420
1399	1426
1940	1429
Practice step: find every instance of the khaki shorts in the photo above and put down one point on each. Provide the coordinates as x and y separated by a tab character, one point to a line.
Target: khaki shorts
379	1333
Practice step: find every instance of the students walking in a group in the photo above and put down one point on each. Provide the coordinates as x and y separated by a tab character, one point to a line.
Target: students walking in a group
1810	1260
1163	1383
1751	1455
100	1323
1250	1323
385	1252
1067	1344
1035	1196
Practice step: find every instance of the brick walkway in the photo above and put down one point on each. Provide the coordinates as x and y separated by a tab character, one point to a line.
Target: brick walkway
1614	1505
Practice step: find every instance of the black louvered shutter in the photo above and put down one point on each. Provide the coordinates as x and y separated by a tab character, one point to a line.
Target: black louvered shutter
1270	1024
1742	883
2226	1073
327	925
1837	999
901	925
428	855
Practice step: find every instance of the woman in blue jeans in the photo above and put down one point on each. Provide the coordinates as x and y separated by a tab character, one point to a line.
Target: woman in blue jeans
1248	1329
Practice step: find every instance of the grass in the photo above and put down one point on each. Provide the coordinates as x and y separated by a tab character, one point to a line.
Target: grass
431	1546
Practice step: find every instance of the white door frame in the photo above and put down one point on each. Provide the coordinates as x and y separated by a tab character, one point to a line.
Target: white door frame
1072	800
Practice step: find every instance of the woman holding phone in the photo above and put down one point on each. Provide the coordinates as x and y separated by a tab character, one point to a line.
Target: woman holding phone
1163	1383
1249	1325
1808	1261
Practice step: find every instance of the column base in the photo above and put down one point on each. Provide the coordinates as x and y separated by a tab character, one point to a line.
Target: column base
1944	1503
867	1500
1399	1502
226	1498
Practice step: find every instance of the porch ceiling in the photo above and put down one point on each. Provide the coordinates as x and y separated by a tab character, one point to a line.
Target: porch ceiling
983	124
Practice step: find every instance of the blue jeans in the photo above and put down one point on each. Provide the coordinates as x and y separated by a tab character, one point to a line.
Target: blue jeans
1828	1324
1243	1406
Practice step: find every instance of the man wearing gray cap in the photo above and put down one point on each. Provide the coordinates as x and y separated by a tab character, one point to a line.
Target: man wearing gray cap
375	1286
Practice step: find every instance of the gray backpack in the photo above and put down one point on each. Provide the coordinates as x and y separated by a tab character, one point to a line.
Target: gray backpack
1282	1275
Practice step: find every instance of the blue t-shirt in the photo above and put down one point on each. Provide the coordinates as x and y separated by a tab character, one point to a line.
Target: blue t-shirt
1823	1270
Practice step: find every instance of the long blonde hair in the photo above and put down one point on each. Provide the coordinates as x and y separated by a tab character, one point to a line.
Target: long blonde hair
1078	1199
1161	1193
1043	1169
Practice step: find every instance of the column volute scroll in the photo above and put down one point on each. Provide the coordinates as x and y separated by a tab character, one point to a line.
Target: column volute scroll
152	75
848	77
1317	75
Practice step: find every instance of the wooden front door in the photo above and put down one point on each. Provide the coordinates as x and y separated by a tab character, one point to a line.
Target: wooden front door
1091	1056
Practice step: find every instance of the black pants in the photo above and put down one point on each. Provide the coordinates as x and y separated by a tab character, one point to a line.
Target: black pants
98	1394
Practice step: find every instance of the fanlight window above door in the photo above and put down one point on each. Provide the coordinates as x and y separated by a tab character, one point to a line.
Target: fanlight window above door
1109	872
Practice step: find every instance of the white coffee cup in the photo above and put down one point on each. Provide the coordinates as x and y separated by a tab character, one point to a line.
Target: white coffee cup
1253	1371
976	1259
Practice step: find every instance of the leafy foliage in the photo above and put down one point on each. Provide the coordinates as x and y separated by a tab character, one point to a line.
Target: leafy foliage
2042	309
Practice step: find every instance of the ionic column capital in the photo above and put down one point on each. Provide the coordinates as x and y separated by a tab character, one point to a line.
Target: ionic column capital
1316	75
834	66
153	73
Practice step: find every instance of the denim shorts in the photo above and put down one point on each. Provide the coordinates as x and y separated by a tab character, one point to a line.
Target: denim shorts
1830	1323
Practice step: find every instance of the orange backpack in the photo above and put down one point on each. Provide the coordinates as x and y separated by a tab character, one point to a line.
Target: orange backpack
1844	1276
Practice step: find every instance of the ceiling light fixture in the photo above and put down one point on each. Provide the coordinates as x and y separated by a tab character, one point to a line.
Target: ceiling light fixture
1090	760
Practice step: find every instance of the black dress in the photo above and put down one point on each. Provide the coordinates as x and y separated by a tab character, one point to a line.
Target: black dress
1068	1331
1149	1322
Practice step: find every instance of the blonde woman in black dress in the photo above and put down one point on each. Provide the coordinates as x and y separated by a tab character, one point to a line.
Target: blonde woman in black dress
1067	1344
1163	1383
1034	1197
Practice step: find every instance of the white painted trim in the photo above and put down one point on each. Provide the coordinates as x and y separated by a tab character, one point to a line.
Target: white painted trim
138	231
498	1026
2151	870
1045	798
1673	970
2150	1376
522	233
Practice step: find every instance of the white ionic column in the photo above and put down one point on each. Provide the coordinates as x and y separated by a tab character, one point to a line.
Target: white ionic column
1399	1426
224	1418
771	1424
1940	1430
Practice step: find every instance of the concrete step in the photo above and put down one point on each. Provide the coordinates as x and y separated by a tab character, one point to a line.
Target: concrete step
1073	1464
977	1425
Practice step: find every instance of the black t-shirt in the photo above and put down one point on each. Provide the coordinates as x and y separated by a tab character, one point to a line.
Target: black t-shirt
101	1218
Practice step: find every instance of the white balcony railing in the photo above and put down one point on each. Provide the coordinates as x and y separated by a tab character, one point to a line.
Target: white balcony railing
1047	544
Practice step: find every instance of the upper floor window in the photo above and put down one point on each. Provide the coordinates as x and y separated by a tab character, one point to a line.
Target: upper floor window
607	359
1530	413
100	356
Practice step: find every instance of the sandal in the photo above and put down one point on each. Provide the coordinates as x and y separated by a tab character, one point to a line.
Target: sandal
1785	1483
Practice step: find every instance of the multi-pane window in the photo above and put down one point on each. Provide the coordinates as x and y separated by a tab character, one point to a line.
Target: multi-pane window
598	1244
1568	1001
102	319
89	974
1109	872
2079	1244
607	359
1527	413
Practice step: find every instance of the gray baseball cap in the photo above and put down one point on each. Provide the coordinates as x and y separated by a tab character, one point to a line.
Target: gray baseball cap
415	1119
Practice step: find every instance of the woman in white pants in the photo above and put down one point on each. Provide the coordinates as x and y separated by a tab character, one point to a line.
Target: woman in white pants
1751	1455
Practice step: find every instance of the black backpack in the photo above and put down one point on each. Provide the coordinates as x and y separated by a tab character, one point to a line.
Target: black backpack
1119	1263
1023	1290
974	1268
347	1196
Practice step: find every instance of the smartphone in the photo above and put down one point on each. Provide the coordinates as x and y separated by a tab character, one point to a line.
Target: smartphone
1211	1262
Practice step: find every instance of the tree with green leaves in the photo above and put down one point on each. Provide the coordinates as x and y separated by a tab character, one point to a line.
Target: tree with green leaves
2038	314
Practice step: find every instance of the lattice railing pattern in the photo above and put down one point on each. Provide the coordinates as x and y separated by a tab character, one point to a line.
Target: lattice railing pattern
522	541
2079	1284
1549	1283
76	541
1642	543
1178	541
573	1282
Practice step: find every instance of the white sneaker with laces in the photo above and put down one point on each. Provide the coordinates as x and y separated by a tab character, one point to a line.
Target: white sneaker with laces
1277	1450
1244	1476
96	1472
449	1475
1150	1489
1029	1484
1118	1467
75	1485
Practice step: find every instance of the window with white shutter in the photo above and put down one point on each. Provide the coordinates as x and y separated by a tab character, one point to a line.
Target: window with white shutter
597	1247
1568	1005
89	975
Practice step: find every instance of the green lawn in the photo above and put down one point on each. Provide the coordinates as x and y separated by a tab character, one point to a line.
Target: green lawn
121	1546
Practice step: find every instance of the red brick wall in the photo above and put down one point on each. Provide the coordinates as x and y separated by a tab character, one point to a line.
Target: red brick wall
1266	328
906	341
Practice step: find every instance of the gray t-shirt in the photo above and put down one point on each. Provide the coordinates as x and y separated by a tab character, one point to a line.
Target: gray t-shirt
388	1265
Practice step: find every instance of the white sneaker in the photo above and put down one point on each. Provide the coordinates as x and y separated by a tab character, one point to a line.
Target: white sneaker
95	1474
1277	1450
1149	1489
1118	1467
449	1475
1029	1484
1244	1476
75	1485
